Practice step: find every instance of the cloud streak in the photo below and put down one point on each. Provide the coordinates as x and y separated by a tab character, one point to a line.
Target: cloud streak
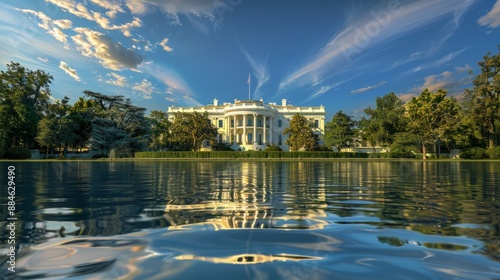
70	71
368	88
365	32
492	18
175	85
260	72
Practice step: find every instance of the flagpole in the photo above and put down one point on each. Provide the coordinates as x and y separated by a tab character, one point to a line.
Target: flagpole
248	86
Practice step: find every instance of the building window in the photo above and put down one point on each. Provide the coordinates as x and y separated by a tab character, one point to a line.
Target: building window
280	123
249	122
221	123
259	121
316	123
280	140
232	123
250	138
240	122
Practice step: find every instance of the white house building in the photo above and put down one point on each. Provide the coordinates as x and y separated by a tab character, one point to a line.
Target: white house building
253	124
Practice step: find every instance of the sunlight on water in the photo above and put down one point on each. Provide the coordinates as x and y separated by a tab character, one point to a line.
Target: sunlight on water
258	220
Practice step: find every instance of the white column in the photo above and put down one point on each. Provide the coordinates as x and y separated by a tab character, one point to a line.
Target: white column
271	129
234	129
254	137
244	130
264	130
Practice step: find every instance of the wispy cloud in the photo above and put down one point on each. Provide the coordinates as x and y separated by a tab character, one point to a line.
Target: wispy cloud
368	88
70	71
367	31
492	18
117	80
454	82
260	72
43	59
443	60
111	54
203	15
52	27
174	83
80	10
145	88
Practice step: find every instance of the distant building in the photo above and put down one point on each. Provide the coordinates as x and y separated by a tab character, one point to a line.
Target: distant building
252	124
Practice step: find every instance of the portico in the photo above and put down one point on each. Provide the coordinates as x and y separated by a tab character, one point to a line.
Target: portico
252	124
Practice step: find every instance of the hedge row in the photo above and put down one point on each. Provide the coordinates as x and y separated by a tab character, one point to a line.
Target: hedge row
249	154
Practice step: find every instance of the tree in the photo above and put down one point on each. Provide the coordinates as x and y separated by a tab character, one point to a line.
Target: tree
24	96
484	99
160	130
58	128
300	134
188	130
384	121
114	121
340	131
431	115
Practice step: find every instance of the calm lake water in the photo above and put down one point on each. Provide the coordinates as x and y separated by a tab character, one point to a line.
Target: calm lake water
254	220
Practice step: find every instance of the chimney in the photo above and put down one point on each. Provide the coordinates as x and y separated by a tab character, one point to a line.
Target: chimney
283	102
216	102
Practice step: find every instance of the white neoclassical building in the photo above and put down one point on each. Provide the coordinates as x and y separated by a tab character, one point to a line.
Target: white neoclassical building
253	124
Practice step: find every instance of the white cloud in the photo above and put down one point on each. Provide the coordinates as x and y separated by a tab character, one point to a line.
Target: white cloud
200	13
70	71
491	19
117	81
368	88
452	81
111	5
145	88
112	55
80	10
52	27
43	59
260	72
174	83
378	26
163	44
63	23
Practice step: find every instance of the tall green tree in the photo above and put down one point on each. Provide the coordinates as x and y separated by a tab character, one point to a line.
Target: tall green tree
383	122
300	134
58	128
340	131
431	116
24	96
188	130
117	124
483	101
160	130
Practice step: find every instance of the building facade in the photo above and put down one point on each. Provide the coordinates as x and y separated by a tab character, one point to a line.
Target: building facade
253	124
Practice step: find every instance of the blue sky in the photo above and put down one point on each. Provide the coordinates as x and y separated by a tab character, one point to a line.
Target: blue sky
340	54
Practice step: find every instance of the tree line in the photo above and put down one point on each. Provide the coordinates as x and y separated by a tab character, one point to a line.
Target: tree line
431	121
112	125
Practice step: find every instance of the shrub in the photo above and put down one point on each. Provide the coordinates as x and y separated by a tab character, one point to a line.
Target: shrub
406	154
373	155
18	153
473	153
221	146
494	153
322	148
273	148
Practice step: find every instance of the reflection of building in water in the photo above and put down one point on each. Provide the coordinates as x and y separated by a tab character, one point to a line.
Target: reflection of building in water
253	196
